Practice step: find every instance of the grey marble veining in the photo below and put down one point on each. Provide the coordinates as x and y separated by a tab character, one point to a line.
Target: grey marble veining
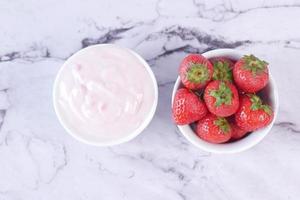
39	160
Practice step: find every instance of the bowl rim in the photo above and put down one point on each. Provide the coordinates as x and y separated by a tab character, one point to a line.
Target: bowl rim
240	145
120	140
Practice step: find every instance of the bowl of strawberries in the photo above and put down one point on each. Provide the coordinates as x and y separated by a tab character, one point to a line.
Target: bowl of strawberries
224	101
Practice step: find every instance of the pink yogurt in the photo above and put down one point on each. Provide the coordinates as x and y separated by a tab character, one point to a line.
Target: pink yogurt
104	93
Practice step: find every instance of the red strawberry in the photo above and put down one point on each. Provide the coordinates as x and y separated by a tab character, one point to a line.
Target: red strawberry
214	129
187	107
221	98
250	73
237	132
195	71
222	69
253	114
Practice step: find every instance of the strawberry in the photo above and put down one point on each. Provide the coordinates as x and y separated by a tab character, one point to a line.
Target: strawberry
253	114
214	129
195	71
250	73
237	132
187	107
221	98
222	69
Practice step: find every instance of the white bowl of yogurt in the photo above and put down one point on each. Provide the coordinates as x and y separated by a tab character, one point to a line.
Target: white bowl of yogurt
105	95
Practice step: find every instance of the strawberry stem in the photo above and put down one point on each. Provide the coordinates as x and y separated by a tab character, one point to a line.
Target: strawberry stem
223	95
254	64
257	104
197	73
223	124
222	71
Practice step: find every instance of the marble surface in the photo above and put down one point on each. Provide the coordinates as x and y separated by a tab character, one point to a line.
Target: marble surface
39	160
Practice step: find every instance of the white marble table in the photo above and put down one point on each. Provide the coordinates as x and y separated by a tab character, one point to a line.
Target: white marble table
38	160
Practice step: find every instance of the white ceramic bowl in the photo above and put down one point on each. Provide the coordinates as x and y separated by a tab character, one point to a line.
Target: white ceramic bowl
269	95
94	141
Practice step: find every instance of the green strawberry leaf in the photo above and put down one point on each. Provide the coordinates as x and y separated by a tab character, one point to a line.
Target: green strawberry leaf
222	71
254	64
267	109
257	104
197	73
223	124
223	95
